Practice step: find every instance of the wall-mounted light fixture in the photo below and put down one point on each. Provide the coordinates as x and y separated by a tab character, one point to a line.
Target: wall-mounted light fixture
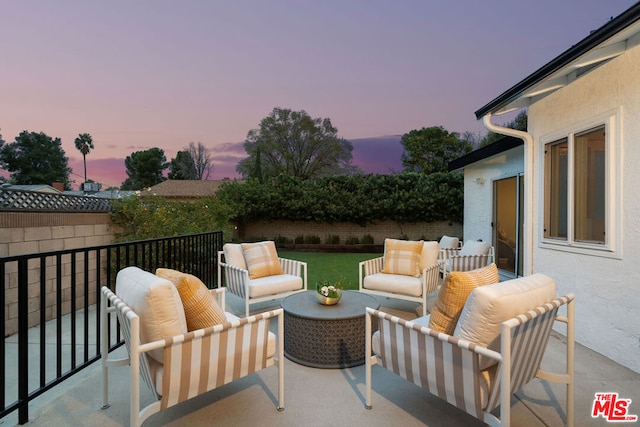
479	181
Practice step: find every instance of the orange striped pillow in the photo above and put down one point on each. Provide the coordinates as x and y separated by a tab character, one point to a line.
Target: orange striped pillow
402	257
454	293
262	259
200	307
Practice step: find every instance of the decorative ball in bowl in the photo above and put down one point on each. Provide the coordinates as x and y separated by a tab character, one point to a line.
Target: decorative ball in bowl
328	294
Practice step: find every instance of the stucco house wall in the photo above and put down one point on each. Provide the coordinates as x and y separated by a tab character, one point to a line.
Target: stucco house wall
478	191
606	287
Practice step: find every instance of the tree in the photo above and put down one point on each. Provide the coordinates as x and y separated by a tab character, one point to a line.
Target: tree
430	150
292	143
193	162
182	167
35	158
144	169
84	144
201	160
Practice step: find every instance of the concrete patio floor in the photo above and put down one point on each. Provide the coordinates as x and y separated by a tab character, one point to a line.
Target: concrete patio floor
332	397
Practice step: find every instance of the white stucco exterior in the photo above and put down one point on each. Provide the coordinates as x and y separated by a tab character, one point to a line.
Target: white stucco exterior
606	286
478	198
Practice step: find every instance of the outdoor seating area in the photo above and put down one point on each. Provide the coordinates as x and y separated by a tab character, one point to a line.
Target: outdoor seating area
481	331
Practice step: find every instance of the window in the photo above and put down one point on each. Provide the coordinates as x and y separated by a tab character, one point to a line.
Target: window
575	189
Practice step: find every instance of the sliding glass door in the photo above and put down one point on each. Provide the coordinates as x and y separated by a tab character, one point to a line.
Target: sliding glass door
508	201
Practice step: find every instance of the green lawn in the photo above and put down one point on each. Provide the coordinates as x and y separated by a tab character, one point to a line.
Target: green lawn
330	266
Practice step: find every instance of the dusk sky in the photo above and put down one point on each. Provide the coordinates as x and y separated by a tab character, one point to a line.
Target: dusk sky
142	74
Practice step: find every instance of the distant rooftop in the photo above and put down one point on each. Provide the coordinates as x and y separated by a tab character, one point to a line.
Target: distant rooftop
185	189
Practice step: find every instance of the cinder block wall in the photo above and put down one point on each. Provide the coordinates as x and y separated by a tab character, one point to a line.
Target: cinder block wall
35	232
379	231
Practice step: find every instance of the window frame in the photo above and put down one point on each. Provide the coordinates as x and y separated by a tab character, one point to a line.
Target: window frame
611	247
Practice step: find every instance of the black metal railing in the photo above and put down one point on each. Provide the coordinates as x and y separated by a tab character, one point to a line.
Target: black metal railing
50	307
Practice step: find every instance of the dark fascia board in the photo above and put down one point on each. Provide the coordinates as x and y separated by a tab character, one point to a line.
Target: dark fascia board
497	147
590	42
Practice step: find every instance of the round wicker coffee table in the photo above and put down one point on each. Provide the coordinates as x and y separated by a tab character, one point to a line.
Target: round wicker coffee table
326	336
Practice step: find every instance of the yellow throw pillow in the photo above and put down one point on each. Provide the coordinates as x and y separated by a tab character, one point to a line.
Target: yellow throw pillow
262	259
200	307
454	293
402	257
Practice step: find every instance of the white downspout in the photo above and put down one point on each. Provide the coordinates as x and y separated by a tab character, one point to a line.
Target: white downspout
527	238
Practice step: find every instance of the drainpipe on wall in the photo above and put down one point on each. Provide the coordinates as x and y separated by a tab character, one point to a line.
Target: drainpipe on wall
528	187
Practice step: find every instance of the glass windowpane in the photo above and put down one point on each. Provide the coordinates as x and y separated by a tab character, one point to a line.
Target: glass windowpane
556	201
589	186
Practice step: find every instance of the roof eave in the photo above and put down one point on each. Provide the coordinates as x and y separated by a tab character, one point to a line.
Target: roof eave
590	42
497	147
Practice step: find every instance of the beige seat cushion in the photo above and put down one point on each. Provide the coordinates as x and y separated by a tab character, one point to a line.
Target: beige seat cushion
402	257
233	255
156	301
274	284
488	306
453	296
201	309
395	283
262	259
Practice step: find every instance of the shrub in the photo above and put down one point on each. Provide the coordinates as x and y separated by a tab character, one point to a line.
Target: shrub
359	199
332	239
298	240
151	217
282	240
312	240
352	240
367	239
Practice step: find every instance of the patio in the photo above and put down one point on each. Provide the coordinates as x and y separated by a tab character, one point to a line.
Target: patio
331	396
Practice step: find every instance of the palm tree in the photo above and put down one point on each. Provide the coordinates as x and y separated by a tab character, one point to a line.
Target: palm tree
84	144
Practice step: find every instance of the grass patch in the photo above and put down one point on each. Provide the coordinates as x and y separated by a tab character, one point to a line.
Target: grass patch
330	266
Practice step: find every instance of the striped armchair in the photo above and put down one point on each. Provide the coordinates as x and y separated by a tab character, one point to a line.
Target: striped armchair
469	375
373	280
471	256
214	356
239	281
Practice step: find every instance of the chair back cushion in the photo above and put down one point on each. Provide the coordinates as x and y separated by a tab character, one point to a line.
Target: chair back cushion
156	301
201	309
429	255
447	242
488	306
471	247
453	296
233	255
262	259
402	257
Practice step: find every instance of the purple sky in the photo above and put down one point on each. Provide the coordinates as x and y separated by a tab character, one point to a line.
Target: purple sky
144	74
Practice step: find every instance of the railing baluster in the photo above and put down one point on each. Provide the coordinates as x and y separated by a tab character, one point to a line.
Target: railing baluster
23	341
43	319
